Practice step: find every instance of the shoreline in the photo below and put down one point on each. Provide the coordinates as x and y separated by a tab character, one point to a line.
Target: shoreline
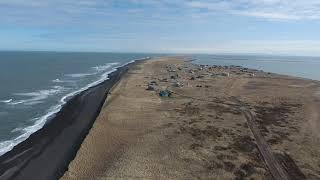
216	122
49	150
261	70
45	118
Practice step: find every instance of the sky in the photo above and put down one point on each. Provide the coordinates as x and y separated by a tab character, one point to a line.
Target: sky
288	27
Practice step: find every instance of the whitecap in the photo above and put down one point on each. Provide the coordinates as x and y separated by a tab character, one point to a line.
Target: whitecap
78	75
57	81
97	69
16	102
32	103
6	101
37	96
16	129
104	67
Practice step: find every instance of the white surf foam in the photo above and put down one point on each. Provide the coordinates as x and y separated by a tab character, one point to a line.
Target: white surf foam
37	96
57	81
17	129
104	67
6	101
79	75
102	78
39	122
96	70
6	146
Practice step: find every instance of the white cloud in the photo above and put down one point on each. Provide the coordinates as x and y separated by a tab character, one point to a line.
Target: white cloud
269	9
68	11
269	15
174	23
222	5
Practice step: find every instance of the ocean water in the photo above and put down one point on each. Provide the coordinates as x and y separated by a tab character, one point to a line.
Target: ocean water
305	67
35	85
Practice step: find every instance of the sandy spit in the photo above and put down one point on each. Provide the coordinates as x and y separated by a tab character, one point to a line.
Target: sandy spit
218	123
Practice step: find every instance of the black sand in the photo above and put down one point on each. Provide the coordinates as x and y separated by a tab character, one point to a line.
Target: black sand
47	153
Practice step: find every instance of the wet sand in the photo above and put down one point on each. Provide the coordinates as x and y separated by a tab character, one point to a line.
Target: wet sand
47	153
219	123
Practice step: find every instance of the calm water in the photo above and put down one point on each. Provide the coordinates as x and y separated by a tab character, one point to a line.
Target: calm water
306	67
34	86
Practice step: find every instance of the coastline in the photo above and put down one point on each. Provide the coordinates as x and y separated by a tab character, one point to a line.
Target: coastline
219	123
49	150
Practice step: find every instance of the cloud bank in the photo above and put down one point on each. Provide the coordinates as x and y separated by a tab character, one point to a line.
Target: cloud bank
180	25
66	11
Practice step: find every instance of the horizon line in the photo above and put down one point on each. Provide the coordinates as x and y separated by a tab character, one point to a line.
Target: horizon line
164	53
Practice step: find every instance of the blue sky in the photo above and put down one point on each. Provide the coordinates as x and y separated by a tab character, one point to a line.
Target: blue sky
175	26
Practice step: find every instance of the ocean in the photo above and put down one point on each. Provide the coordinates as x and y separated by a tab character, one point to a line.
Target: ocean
35	85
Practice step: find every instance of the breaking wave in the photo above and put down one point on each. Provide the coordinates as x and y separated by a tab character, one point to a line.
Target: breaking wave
38	96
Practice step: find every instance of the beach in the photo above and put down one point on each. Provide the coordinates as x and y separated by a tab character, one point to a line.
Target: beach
47	152
168	118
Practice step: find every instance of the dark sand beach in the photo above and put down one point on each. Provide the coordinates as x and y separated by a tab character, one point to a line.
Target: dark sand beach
218	123
47	153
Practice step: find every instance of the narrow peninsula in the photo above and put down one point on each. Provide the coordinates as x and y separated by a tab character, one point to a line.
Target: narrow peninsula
168	118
